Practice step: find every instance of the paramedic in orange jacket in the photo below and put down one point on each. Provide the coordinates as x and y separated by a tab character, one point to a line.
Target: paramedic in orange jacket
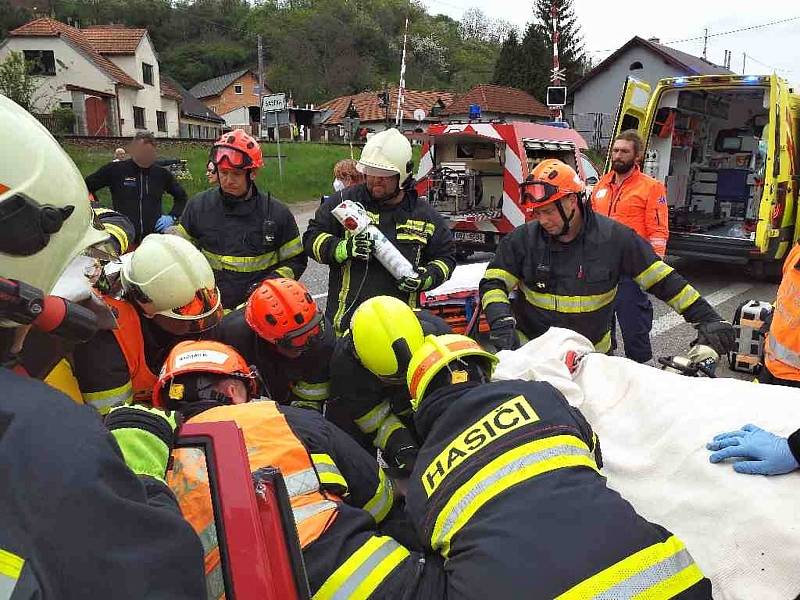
627	195
782	348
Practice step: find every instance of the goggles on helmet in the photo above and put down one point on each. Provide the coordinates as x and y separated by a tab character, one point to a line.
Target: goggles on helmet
226	157
538	192
302	339
202	313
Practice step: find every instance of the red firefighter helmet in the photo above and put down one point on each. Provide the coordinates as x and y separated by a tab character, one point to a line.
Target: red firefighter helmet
203	357
550	181
282	312
236	150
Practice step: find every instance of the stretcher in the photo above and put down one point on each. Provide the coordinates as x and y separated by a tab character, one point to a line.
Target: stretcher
743	530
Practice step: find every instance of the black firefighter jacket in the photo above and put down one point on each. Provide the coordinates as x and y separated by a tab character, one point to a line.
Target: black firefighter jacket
507	488
418	231
574	285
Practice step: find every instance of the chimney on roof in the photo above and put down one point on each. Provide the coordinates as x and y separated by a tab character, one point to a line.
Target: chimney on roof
654	40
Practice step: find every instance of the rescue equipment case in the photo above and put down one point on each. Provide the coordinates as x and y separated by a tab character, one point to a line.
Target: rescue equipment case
751	321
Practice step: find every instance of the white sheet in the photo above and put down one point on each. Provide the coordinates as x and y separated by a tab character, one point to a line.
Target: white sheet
743	530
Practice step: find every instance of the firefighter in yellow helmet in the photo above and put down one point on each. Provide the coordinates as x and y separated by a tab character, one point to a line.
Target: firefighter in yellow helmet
368	371
76	522
507	488
409	222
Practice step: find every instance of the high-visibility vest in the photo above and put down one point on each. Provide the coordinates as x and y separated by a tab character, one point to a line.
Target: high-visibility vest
782	351
270	442
129	337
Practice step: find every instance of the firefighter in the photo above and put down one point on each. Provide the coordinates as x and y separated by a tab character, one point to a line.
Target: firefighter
782	347
75	522
368	371
245	235
339	498
507	489
409	222
282	332
627	195
168	294
119	227
137	186
567	265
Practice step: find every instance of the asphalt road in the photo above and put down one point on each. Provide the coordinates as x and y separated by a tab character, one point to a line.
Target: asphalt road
724	286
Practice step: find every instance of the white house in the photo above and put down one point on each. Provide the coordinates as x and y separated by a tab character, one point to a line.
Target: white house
108	75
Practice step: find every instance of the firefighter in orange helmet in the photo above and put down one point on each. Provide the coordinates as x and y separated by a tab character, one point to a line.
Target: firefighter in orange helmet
283	333
627	195
338	495
567	265
247	236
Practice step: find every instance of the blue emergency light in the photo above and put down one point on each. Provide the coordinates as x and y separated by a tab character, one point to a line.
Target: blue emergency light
751	79
474	112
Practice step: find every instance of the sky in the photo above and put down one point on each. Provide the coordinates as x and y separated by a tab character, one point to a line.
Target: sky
606	25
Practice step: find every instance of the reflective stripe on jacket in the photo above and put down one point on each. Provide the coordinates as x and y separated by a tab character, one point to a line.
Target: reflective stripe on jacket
640	202
782	350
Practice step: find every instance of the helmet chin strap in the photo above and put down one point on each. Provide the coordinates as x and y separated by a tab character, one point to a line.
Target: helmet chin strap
567	219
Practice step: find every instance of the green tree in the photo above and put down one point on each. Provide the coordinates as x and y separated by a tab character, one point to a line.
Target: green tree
507	69
12	16
16	81
570	44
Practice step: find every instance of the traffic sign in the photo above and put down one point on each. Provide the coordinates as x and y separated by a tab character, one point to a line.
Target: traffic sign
556	96
273	103
419	115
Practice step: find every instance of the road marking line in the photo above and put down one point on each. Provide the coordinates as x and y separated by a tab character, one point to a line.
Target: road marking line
672	319
318	296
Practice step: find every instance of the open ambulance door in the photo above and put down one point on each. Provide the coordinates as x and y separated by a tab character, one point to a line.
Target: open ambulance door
776	229
632	111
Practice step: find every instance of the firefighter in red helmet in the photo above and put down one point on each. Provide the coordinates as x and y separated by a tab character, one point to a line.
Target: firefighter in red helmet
281	331
566	265
247	236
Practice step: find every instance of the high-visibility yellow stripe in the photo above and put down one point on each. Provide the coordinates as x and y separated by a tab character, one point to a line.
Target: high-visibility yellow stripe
507	470
389	425
662	570
494	296
381	503
509	280
119	234
442	267
653	274
290	249
286	272
316	247
105	400
339	315
328	471
412	237
373	419
569	304
684	299
10	564
241	264
364	570
181	231
418	226
311	391
604	345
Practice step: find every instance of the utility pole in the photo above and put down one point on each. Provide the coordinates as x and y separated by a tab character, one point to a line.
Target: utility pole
401	90
744	63
705	43
557	72
260	84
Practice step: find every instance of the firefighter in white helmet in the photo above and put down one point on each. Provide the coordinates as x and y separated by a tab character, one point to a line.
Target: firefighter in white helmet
76	521
409	222
167	294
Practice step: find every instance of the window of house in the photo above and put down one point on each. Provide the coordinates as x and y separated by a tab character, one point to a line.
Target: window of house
65	105
238	88
636	66
138	117
147	73
161	120
40	62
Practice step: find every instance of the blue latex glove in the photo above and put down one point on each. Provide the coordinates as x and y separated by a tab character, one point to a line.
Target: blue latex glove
164	221
765	453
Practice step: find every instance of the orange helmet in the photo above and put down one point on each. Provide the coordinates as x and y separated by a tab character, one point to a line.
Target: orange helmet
282	312
550	181
200	358
236	150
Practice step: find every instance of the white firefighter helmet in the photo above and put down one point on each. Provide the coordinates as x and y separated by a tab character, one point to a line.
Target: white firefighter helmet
385	154
173	283
45	217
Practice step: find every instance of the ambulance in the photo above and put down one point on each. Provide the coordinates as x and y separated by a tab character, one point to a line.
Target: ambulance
726	148
471	173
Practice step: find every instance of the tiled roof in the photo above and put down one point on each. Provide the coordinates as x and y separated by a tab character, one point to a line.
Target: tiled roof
114	39
191	106
498	99
47	27
366	104
214	86
168	89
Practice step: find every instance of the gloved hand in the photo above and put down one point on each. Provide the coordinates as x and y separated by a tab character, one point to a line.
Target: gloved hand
766	453
720	335
403	461
146	437
416	283
164	221
357	246
503	333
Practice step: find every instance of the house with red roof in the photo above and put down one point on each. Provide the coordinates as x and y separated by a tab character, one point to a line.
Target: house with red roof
108	75
497	103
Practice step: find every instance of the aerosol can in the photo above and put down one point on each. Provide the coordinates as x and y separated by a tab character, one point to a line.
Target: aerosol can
355	219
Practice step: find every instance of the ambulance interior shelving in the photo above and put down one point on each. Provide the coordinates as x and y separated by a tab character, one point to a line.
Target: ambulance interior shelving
709	149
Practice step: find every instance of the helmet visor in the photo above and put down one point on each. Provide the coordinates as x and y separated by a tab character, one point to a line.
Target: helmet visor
225	157
303	338
375	171
537	192
202	313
